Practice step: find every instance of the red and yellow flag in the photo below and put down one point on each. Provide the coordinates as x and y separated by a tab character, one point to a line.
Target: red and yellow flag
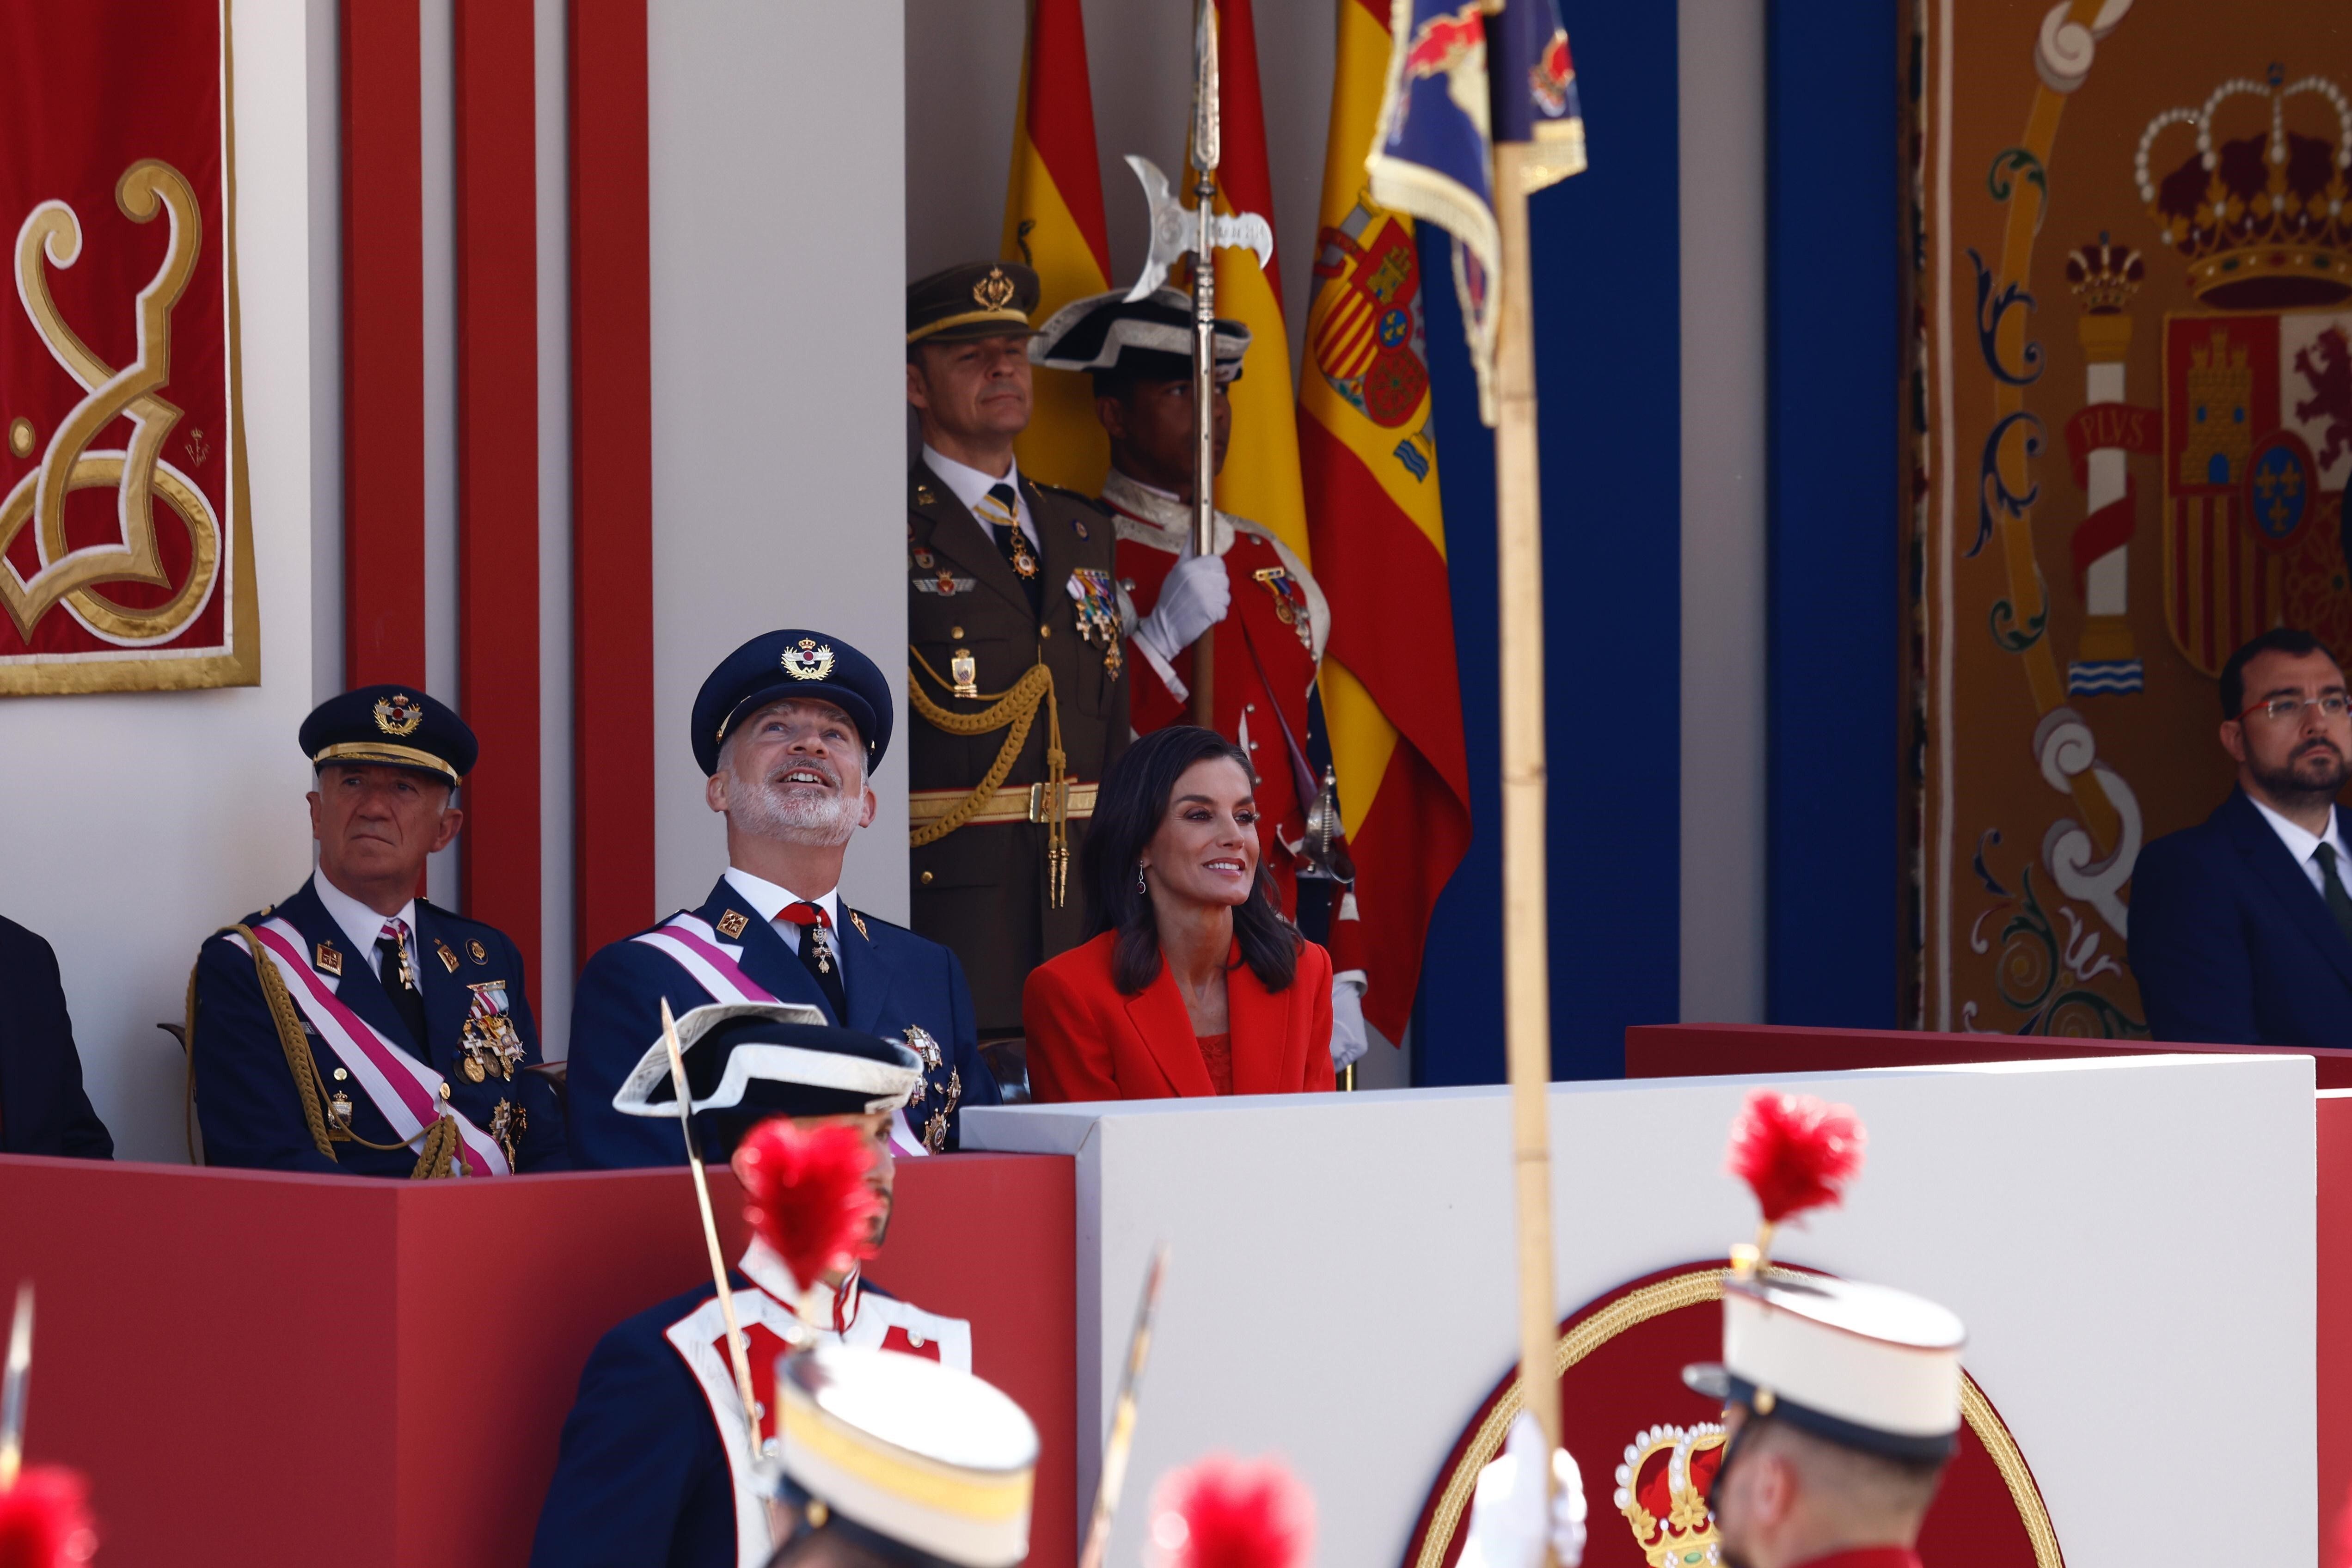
1392	696
1054	222
1260	481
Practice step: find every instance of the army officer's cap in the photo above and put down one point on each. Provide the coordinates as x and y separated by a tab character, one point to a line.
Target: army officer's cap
970	299
921	1465
390	727
1149	339
791	663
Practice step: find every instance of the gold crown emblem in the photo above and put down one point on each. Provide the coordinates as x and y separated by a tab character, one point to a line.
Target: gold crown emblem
2260	217
2105	276
808	659
994	291
398	714
1661	1491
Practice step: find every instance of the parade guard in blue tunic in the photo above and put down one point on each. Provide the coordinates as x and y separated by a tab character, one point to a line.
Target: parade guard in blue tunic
655	1467
788	730
355	1027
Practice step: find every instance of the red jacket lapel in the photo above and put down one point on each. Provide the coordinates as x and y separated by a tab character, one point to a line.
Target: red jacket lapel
1158	1015
1260	1021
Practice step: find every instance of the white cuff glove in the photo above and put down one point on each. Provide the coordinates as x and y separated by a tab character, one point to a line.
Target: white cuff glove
1194	596
1349	1041
1508	1527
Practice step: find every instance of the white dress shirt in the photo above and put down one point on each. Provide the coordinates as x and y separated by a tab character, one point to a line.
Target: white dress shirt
770	902
364	925
968	485
2304	847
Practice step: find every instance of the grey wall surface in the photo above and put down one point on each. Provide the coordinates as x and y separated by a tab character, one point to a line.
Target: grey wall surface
778	389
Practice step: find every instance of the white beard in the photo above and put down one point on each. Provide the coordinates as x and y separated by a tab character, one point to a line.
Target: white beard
796	816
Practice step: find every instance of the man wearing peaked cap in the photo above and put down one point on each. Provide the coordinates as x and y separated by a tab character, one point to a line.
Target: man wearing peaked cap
655	1466
1017	648
788	729
1252	599
354	1026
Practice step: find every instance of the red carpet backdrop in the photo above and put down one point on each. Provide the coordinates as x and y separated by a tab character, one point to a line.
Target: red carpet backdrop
123	532
2131	417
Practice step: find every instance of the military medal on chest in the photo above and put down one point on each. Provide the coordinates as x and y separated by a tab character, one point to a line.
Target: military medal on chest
1097	611
1289	603
507	1124
935	1130
488	1038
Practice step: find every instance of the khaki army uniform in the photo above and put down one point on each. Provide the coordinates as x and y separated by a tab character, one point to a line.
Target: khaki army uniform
995	877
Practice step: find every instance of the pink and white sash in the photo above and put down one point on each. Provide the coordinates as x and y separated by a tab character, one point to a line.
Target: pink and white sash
407	1091
693	942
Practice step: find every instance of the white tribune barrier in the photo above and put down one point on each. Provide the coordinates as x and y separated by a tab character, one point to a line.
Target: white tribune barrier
2130	1242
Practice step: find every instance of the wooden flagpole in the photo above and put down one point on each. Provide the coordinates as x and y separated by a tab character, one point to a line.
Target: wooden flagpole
1527	999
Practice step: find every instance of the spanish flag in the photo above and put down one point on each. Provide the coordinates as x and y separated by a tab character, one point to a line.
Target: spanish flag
1054	223
1392	696
1260	481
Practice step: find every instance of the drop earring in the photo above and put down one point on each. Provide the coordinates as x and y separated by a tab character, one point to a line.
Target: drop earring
1140	886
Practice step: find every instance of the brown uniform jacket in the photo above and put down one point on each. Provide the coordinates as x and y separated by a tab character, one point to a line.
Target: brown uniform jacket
985	890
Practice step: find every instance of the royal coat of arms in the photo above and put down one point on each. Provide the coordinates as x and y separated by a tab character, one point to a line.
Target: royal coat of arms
1364	326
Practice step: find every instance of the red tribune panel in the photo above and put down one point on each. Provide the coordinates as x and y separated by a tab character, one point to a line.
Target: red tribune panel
497	464
612	474
255	1367
1700	1050
383	345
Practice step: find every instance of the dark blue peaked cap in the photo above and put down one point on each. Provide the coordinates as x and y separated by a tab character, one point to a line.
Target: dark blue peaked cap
792	663
390	727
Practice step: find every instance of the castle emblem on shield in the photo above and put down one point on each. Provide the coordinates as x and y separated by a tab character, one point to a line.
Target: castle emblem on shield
2257	419
1364	326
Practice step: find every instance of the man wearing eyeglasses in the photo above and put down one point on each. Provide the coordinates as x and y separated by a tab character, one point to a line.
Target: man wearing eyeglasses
2241	926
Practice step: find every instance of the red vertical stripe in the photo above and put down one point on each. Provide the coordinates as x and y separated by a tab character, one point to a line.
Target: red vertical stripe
1244	179
497	463
612	474
1060	118
2205	574
383	346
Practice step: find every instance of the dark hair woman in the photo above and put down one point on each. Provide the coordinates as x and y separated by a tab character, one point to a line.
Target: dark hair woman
1194	984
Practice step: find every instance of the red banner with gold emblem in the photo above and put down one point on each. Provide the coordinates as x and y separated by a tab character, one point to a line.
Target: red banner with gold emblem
123	532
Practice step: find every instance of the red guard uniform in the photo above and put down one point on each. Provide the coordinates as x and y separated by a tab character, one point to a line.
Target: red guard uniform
1267	650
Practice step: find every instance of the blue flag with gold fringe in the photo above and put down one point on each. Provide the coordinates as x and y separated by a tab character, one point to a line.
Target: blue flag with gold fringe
1463	76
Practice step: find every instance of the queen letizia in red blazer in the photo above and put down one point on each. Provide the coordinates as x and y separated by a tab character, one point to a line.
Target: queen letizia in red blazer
1193	983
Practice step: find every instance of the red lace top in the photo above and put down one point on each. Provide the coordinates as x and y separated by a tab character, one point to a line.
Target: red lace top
1217	1052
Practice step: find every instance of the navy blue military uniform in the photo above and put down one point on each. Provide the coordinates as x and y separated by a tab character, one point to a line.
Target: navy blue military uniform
893	981
247	1103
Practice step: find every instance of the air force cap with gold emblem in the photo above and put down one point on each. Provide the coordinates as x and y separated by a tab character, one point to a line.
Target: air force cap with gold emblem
794	663
1861	1365
390	727
913	1460
972	299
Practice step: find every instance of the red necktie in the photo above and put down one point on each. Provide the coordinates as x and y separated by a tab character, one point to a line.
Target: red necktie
817	951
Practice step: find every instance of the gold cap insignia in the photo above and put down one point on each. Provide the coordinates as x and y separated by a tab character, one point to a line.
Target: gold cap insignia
808	659
398	714
994	291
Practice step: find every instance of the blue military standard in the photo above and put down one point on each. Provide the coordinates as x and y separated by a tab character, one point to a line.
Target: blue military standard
788	730
356	1027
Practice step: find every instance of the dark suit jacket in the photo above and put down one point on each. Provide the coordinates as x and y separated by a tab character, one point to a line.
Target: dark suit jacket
891	978
247	1103
1089	1041
2230	942
43	1109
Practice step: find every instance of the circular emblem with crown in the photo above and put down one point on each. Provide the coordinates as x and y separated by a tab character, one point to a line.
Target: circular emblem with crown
1661	1491
994	291
808	659
399	714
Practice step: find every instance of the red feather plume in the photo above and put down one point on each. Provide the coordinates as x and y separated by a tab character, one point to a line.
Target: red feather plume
1796	1151
45	1520
1225	1512
809	1194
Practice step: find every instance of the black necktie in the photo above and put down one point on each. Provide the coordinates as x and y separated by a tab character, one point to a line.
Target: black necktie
400	983
2339	902
818	955
1001	509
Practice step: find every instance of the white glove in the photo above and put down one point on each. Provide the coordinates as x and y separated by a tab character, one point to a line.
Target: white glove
1349	1041
1194	596
1508	1527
